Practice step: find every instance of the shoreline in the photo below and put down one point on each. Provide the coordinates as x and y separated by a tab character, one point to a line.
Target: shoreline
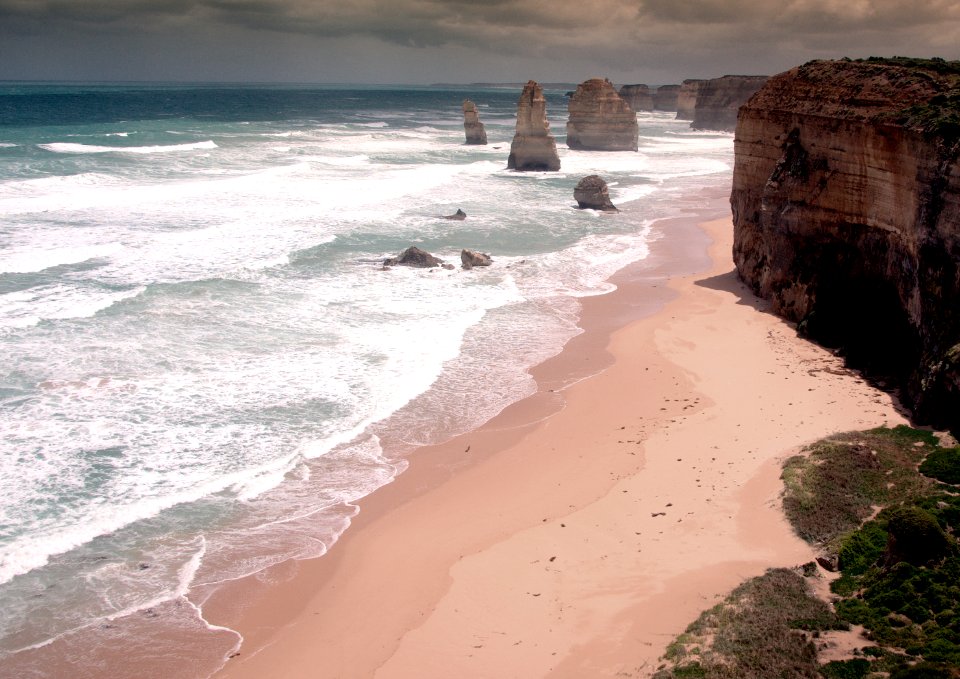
537	545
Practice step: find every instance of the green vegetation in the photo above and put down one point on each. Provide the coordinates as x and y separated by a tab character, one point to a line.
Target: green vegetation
836	485
765	628
887	502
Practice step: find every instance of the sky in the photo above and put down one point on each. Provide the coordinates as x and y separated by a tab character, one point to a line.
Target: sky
457	41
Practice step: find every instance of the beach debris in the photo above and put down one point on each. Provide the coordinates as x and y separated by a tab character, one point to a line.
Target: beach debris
415	257
472	127
459	215
470	259
591	194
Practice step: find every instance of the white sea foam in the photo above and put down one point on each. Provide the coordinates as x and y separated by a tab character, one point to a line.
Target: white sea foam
67	147
38	260
259	360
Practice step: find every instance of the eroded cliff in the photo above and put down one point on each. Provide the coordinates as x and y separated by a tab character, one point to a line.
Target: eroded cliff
846	209
719	99
687	98
599	119
639	97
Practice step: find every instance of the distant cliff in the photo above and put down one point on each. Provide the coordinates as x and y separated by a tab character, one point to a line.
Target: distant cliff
687	99
846	209
665	98
599	119
638	97
719	99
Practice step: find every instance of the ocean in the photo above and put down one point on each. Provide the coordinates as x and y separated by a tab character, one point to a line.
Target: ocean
205	365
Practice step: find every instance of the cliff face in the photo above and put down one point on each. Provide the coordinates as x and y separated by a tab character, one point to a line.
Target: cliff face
533	147
665	98
472	127
638	97
599	119
846	209
687	99
718	100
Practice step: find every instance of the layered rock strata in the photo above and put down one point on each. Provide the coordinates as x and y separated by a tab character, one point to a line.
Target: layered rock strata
718	101
665	98
599	119
533	147
638	97
846	210
472	127
687	99
591	193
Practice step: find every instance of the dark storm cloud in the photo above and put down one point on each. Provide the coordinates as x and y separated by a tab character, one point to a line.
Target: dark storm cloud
711	36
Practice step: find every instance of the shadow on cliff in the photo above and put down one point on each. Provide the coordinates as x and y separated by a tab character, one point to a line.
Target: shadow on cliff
730	282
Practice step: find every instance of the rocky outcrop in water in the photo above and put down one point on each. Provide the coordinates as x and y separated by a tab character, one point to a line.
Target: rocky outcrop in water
665	98
458	216
472	127
718	101
415	257
591	194
846	210
533	147
687	99
599	119
470	259
638	97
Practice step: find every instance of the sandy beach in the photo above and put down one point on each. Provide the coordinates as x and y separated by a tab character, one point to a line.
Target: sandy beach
581	529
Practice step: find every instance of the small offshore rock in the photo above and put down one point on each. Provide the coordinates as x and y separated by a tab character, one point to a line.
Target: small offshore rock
459	215
591	194
415	257
470	259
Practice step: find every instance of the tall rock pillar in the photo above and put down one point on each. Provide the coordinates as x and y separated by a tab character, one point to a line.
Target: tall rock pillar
472	127
533	147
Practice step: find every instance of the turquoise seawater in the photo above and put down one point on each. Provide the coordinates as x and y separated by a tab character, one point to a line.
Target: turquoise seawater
201	351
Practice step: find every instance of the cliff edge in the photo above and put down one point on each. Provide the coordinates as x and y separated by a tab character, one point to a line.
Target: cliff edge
846	210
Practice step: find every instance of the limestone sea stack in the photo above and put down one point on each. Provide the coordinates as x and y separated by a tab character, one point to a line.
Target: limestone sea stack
591	194
687	99
599	119
472	127
846	210
718	101
638	97
533	147
665	98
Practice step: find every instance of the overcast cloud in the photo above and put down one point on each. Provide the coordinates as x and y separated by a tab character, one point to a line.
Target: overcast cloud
422	41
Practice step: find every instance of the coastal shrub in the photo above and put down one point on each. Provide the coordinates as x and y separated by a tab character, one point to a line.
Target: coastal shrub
943	464
925	670
915	537
863	548
838	483
858	668
762	629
